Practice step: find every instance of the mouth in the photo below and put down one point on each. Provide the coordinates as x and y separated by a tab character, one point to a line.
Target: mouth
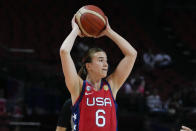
105	69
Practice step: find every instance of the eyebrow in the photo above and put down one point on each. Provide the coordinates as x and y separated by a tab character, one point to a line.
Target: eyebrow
102	57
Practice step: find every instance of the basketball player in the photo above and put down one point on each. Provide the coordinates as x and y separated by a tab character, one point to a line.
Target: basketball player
93	96
64	120
184	128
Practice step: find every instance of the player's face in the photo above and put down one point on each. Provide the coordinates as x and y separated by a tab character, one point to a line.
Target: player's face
99	65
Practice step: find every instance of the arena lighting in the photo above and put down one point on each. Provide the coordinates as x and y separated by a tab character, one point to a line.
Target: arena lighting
24	123
19	50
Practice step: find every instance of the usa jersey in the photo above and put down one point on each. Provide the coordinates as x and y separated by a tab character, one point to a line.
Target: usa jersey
95	110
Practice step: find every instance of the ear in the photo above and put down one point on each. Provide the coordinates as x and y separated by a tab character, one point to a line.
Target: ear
87	66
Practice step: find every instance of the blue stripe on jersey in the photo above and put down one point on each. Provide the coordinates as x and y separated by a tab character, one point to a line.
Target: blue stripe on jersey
76	109
116	105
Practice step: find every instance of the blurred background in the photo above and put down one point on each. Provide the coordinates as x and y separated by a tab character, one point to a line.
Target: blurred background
160	93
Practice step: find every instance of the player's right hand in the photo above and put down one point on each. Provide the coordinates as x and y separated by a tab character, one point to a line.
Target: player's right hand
76	27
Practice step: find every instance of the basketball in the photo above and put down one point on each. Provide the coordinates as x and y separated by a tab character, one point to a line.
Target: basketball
91	20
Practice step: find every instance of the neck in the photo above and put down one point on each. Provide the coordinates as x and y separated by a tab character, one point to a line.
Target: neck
96	82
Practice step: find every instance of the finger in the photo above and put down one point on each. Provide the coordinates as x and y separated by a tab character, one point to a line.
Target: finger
81	35
96	36
186	128
106	20
72	21
73	18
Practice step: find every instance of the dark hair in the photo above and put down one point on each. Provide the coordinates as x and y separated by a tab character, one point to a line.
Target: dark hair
86	59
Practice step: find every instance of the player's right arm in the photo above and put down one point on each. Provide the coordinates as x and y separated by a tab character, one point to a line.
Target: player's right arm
72	80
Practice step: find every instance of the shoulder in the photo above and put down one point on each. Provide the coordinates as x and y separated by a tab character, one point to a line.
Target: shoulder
112	86
110	82
77	92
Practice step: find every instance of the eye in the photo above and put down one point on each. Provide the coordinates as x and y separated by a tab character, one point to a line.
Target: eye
100	60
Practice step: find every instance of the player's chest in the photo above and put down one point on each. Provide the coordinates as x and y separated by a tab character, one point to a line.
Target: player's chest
101	98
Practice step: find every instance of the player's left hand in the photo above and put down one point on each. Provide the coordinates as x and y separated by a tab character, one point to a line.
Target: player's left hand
106	30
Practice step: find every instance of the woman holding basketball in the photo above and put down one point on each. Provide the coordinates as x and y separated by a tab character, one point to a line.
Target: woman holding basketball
93	97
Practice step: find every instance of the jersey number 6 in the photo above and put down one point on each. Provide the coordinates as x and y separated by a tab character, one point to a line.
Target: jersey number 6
98	117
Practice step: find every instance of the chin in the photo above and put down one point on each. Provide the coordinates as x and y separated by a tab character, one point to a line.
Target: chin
103	76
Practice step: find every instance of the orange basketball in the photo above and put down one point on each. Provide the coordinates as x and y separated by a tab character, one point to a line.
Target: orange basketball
91	20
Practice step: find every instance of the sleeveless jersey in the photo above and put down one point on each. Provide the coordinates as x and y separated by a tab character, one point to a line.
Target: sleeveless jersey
95	110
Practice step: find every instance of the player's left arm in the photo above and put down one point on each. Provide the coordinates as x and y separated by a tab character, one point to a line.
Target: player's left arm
122	71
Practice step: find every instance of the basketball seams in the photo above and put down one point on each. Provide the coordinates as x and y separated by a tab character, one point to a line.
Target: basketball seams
82	11
96	24
94	8
80	25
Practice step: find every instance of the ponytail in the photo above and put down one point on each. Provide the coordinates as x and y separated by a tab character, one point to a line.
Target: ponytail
83	72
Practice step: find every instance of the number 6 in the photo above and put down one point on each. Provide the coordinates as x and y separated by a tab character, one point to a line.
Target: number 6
100	117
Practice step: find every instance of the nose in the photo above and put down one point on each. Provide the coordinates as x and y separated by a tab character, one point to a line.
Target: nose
105	64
